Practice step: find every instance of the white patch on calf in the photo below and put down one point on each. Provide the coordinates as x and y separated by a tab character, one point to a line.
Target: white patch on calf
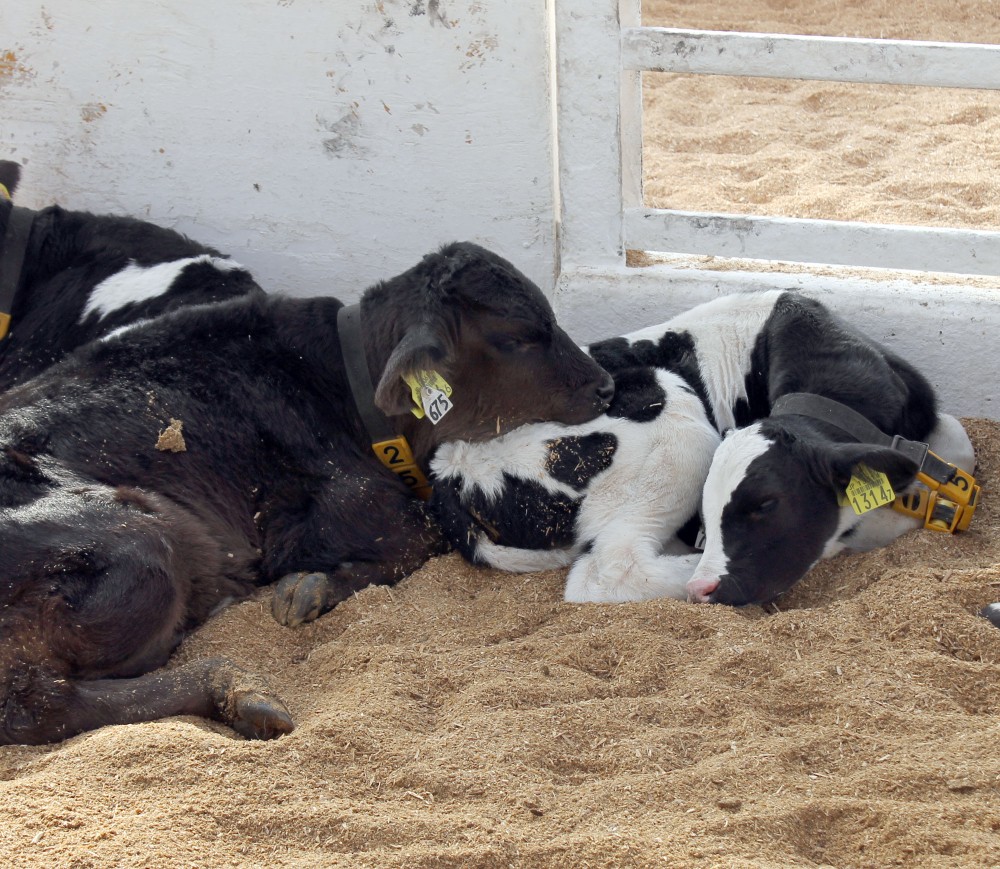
128	327
729	468
724	332
515	560
637	505
136	283
522	453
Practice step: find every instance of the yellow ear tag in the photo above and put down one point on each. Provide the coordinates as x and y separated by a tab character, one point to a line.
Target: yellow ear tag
431	395
868	490
4	192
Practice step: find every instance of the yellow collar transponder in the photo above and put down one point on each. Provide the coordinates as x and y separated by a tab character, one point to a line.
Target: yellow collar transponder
397	456
943	506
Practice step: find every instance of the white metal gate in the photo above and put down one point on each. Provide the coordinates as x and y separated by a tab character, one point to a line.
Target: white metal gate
600	53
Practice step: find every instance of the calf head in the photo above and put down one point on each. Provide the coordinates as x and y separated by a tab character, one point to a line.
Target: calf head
472	317
770	507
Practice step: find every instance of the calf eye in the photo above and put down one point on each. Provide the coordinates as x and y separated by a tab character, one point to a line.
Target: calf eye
507	343
768	505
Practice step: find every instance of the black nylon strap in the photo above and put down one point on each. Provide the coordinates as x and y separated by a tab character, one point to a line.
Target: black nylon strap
862	430
833	412
15	244
352	348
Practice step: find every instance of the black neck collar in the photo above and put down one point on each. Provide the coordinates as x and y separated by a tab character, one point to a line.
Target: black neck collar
392	450
12	251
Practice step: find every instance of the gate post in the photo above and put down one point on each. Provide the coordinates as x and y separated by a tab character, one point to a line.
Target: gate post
598	130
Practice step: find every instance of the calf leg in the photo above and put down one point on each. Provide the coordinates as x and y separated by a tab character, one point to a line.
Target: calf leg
357	532
304	596
46	709
624	564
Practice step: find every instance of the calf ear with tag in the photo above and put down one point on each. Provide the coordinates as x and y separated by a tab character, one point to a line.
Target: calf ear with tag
431	395
841	462
420	349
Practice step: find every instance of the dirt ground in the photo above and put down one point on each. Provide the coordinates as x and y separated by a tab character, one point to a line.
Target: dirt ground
468	718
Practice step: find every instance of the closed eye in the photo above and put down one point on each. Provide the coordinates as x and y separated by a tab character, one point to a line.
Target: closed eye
507	343
768	505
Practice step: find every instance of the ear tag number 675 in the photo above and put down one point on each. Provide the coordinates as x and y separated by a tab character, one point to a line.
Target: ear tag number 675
430	392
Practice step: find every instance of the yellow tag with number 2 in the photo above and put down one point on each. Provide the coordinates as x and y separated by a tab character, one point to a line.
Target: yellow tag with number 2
868	490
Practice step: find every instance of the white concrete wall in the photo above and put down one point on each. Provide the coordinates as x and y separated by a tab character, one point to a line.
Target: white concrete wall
326	144
322	143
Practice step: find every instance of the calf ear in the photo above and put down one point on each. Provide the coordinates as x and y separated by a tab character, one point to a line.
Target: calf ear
422	348
845	459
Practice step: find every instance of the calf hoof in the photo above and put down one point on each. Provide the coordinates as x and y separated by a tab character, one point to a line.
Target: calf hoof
300	598
260	716
244	702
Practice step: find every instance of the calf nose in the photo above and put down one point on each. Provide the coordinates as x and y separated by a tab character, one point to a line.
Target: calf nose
606	390
701	588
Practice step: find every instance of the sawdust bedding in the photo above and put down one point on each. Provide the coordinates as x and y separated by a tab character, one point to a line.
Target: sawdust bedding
470	718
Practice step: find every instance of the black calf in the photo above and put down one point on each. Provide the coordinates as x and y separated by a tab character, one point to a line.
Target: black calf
86	275
111	549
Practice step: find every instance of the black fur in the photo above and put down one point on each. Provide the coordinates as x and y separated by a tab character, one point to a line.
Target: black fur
68	254
638	395
576	459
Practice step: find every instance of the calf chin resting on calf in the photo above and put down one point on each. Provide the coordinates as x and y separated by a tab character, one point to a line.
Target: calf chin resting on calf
608	496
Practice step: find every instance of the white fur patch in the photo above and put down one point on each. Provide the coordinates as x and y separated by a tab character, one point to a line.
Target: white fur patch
521	453
136	283
515	560
635	507
128	327
729	467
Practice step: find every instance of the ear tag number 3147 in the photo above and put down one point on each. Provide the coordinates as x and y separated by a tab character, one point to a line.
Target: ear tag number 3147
431	395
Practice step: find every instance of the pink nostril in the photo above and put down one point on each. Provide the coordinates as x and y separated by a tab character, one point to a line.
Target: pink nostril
700	588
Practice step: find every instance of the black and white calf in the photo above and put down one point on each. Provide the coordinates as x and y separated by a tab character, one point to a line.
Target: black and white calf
111	547
771	506
85	276
772	500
